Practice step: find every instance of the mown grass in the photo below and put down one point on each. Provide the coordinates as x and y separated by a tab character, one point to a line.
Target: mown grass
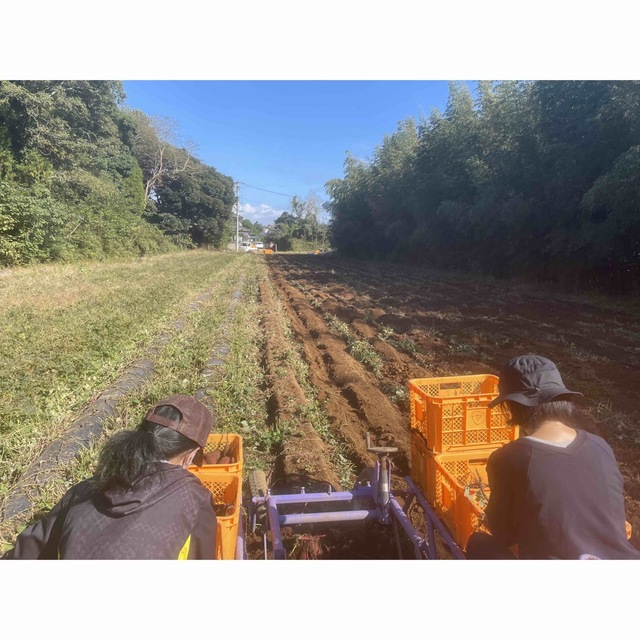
178	370
240	393
67	331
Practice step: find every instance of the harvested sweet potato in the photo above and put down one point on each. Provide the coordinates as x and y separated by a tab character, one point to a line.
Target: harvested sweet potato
224	509
213	457
227	450
224	460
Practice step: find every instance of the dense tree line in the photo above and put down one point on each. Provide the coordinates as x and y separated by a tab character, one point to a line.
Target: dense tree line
83	177
300	229
539	180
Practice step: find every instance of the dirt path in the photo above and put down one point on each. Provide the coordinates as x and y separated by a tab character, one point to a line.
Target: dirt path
426	325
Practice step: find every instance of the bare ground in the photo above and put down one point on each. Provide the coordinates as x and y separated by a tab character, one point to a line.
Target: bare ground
423	324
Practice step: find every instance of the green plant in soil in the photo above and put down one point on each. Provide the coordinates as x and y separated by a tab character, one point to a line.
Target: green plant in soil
406	344
271	440
385	333
398	394
361	350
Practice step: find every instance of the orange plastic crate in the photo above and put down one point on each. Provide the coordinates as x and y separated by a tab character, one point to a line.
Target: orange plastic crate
467	515
444	478
226	488
220	440
464	503
452	413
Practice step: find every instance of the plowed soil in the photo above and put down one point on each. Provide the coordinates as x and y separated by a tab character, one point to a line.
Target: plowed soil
424	324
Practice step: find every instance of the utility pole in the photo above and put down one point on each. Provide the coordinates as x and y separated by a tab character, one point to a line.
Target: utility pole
237	216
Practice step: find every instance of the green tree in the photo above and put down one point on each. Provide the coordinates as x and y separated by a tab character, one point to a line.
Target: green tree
71	186
201	199
534	179
161	153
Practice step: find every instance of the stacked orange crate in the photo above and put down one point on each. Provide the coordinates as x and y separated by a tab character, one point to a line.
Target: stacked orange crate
451	413
224	481
453	434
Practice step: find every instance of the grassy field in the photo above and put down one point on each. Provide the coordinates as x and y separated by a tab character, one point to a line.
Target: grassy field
66	332
79	343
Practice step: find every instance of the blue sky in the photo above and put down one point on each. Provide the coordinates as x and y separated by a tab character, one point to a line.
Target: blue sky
288	137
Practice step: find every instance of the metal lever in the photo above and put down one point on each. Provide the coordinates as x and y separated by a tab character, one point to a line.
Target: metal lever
383	479
379	450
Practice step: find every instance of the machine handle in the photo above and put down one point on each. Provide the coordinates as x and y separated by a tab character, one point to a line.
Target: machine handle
379	450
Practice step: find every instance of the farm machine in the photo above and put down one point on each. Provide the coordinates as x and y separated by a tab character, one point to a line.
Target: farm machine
371	500
453	432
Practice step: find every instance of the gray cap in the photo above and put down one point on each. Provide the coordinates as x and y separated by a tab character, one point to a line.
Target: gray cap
531	381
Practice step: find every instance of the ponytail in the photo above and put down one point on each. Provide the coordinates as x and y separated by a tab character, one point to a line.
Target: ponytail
130	456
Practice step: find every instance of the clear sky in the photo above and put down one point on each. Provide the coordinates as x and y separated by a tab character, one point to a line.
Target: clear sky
287	137
283	89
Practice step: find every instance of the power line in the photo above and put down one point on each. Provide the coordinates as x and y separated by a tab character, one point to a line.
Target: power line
258	203
267	190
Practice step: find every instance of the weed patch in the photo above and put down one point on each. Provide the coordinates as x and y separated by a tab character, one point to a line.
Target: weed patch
361	350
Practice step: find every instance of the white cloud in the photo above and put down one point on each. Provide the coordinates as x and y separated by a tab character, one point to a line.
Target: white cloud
247	210
263	213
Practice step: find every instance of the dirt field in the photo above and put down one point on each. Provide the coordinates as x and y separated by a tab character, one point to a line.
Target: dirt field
421	324
310	352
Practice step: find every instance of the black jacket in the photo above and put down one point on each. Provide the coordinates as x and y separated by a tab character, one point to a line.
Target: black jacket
558	502
171	516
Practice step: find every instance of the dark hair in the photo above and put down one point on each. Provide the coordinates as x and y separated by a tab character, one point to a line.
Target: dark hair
130	456
530	417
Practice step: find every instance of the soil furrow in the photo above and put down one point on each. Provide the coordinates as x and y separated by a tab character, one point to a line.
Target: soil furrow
348	389
457	325
304	459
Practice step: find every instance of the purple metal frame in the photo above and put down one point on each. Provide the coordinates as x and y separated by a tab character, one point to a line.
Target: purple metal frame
389	512
241	550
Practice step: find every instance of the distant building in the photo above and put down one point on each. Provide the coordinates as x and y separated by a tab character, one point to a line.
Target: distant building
244	235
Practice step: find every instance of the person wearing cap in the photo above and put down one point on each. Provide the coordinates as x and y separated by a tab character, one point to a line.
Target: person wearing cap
142	503
556	492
